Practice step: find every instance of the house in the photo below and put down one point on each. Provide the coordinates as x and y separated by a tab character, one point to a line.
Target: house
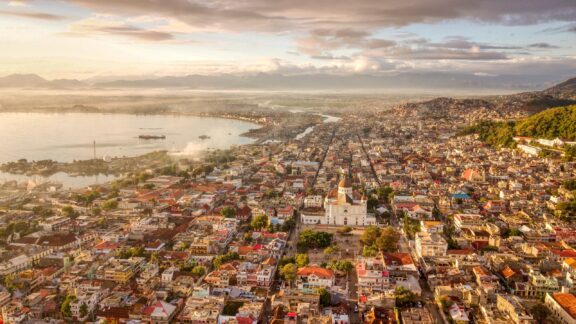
514	308
562	306
160	312
310	278
430	244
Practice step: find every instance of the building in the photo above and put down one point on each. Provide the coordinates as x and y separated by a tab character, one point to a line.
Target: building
512	306
345	206
430	245
372	273
562	306
311	278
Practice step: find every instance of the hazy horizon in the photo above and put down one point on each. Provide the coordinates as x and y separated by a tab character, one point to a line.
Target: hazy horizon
516	44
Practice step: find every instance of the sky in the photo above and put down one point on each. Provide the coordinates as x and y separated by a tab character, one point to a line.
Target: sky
85	39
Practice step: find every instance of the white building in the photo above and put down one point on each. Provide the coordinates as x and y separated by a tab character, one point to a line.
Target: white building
430	245
344	206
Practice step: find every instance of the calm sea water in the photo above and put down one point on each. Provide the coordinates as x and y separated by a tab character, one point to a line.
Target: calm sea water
68	137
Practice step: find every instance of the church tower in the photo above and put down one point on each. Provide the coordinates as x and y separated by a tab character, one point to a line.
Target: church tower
344	190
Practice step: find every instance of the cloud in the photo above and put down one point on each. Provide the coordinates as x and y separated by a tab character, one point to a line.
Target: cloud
265	15
542	45
99	26
319	41
32	15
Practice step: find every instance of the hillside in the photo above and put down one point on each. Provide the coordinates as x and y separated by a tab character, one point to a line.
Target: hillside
549	124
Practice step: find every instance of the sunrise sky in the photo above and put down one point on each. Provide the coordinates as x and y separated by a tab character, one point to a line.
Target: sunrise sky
93	38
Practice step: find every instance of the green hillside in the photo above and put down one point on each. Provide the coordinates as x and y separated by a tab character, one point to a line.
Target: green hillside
551	123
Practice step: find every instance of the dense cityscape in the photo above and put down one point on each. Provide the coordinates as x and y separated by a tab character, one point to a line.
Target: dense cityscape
365	218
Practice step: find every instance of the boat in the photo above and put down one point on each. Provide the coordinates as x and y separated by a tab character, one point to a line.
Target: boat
203	137
150	137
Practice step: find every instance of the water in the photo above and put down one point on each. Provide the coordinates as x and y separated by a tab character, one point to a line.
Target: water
327	119
69	136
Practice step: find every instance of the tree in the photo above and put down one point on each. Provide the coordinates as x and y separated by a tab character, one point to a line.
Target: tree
221	259
65	307
69	212
302	259
371	233
198	271
329	250
388	240
83	310
312	239
259	222
110	204
228	212
288	225
540	312
289	272
403	296
369	251
325	297
385	193
341	265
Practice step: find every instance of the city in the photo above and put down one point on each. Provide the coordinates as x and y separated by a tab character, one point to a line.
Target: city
288	162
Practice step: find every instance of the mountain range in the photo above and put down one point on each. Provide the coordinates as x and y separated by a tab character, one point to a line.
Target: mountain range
275	81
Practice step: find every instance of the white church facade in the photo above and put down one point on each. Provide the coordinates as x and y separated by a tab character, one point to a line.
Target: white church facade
342	207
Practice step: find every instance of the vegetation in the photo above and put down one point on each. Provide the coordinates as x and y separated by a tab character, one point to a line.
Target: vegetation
369	251
198	271
375	239
558	122
498	134
403	296
411	226
341	265
325	297
65	307
302	259
289	272
552	123
223	258
69	212
228	212
311	239
231	308
259	222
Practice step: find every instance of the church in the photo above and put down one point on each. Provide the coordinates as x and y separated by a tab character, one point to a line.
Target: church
342	206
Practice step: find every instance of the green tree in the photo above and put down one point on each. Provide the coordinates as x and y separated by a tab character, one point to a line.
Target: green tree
371	233
289	272
403	296
325	297
65	307
369	251
302	259
198	271
259	222
83	310
110	204
68	211
329	250
221	259
228	212
388	240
